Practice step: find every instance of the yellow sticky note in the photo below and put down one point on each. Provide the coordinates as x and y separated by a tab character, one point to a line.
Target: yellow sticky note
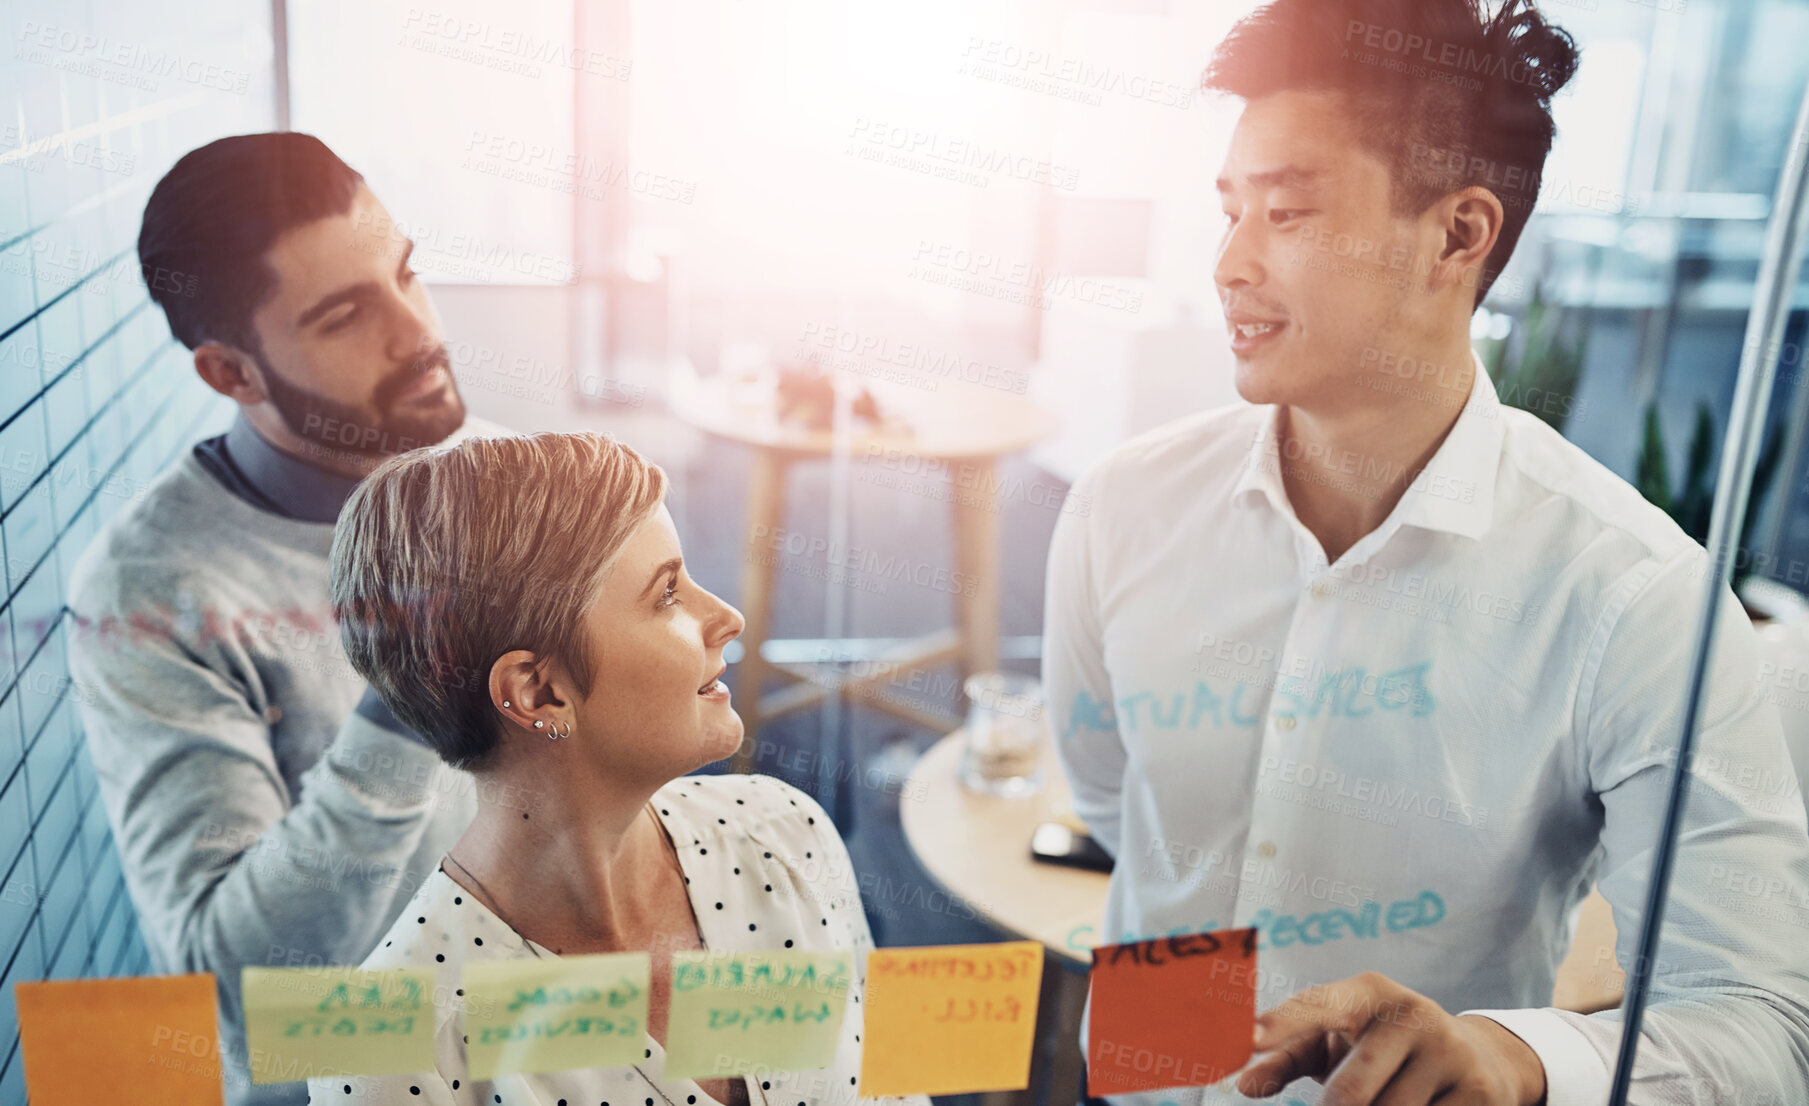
306	1022
952	1019
736	1013
556	1015
85	1040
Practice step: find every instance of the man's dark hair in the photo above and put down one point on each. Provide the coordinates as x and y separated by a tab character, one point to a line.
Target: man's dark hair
211	218
1445	96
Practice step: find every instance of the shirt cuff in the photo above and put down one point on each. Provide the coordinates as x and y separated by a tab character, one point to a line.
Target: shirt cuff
391	767
372	708
1574	1072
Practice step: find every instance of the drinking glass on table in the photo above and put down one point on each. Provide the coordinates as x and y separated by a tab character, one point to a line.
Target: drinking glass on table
1003	750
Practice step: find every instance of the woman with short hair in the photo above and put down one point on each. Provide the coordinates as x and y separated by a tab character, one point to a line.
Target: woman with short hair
523	604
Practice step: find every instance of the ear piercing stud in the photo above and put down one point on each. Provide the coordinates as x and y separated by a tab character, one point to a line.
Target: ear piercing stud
554	732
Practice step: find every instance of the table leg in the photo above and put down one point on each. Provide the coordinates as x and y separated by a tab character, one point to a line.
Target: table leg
1055	1060
976	519
1065	1061
766	510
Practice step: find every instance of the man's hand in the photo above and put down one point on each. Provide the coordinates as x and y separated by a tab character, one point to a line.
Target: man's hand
1383	1044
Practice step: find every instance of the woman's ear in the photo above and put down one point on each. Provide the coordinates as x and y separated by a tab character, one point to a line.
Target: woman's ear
518	687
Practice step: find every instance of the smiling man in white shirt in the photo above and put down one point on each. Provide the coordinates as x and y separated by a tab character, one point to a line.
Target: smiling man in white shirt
1392	672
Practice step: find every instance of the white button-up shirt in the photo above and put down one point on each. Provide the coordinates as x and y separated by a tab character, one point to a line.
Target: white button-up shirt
1418	759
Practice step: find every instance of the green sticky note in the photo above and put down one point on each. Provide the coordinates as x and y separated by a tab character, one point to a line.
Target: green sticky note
556	1014
307	1022
737	1013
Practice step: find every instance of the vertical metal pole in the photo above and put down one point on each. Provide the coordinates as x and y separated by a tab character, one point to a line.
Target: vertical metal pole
834	745
1739	454
279	62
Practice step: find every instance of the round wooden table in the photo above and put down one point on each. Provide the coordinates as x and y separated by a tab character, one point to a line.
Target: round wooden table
978	848
956	432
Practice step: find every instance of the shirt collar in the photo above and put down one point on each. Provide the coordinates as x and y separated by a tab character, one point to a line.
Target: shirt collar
1261	466
1456	491
306	492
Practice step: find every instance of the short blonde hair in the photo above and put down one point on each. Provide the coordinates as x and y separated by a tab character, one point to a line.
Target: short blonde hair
445	558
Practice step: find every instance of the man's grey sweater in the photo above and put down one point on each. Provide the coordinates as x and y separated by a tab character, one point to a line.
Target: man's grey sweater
259	818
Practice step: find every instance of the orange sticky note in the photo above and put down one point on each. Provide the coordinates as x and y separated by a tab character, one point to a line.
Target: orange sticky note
1171	1011
150	1040
950	1019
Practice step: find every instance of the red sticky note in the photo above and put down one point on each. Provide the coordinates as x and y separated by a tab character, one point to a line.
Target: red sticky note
151	1041
1171	1011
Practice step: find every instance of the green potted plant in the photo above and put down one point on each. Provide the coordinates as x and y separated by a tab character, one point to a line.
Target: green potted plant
1545	363
1692	502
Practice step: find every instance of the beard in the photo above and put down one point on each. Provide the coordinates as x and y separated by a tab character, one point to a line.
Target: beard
321	422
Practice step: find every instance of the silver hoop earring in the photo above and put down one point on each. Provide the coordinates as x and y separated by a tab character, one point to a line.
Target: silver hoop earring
568	730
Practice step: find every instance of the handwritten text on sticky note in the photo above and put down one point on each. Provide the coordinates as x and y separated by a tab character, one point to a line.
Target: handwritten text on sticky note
950	1020
555	1014
733	1013
305	1022
1171	1011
